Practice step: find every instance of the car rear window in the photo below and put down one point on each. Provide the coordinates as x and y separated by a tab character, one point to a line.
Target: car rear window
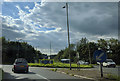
20	61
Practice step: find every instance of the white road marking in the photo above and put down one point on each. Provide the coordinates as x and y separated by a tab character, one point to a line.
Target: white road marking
42	77
0	66
20	78
83	77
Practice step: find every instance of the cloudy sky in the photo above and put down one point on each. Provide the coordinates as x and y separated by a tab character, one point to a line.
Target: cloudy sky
38	23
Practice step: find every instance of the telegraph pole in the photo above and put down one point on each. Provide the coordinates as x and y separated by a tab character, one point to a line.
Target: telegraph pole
50	49
68	34
89	53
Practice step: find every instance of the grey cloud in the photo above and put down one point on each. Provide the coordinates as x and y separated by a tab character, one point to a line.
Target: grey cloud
92	18
58	41
10	34
92	23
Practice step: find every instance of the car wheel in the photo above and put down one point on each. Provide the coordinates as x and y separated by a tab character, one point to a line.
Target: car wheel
14	71
27	71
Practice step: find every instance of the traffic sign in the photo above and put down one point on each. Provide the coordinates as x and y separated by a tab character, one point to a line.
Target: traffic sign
100	56
77	55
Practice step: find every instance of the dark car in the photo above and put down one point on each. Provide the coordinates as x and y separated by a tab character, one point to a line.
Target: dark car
20	65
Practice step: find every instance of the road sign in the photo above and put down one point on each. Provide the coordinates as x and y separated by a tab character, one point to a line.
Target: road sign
100	56
77	55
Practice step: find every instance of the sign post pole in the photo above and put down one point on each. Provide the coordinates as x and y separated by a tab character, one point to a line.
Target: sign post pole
78	64
101	70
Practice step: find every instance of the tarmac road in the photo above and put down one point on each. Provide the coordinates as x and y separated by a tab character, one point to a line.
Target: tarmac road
37	74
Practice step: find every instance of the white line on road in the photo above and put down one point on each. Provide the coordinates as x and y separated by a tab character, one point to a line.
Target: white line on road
83	77
20	78
0	66
42	77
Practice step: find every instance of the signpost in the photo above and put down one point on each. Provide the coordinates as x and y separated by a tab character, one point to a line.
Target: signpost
78	64
100	56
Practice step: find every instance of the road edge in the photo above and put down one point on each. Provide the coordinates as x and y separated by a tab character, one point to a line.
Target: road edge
77	75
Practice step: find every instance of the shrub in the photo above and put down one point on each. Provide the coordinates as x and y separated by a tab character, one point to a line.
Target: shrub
55	70
72	74
67	73
52	69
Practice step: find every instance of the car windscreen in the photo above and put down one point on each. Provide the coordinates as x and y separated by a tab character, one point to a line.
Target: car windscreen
109	60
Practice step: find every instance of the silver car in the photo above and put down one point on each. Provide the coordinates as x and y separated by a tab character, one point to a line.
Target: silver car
109	63
82	62
20	65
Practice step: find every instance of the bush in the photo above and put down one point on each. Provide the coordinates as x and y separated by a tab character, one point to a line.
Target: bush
67	73
72	74
55	70
52	69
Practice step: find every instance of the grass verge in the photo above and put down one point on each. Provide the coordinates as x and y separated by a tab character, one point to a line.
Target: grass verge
59	65
53	70
90	74
113	77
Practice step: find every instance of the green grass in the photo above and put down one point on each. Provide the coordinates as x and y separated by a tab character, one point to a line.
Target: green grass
93	64
113	77
59	65
53	70
67	73
72	74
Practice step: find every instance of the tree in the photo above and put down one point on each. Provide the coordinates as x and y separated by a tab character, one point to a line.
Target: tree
86	50
102	43
114	50
82	49
92	47
59	55
64	54
10	51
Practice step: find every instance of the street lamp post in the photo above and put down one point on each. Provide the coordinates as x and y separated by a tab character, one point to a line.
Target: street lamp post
68	33
17	55
89	53
37	57
50	49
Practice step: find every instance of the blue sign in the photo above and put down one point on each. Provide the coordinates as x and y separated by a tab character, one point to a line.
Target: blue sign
100	56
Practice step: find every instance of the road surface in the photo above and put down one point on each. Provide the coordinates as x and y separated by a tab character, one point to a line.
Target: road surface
37	74
114	71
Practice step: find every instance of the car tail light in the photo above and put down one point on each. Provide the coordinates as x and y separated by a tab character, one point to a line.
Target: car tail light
14	66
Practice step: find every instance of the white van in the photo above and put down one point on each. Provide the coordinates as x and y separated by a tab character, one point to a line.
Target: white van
109	63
